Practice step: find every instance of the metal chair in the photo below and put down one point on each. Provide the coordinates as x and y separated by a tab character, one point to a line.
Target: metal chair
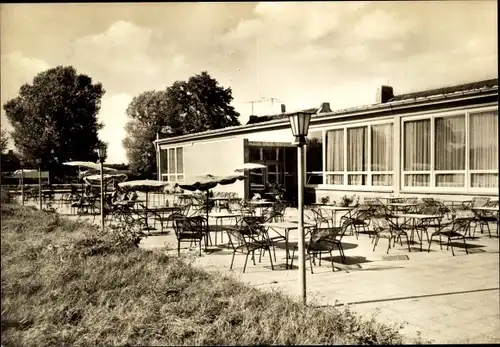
455	229
246	244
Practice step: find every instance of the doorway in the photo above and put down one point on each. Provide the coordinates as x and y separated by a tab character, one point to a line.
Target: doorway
280	160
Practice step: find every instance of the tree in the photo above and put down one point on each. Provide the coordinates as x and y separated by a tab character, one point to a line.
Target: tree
55	118
4	140
149	113
185	107
202	104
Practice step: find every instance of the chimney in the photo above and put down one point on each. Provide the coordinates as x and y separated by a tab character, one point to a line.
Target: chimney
252	119
283	108
325	107
384	94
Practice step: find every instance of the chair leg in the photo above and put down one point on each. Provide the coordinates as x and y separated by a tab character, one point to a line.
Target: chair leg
178	248
331	257
465	245
408	243
293	254
271	260
429	248
246	259
310	262
232	261
376	237
450	244
389	245
253	257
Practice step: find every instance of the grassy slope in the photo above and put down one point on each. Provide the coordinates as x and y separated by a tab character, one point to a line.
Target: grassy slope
65	283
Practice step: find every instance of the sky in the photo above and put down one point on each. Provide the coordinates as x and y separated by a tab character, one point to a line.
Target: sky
298	54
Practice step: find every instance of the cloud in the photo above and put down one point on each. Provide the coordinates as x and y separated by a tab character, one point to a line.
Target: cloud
381	25
113	115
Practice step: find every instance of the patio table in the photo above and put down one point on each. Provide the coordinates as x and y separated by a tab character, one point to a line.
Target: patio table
221	216
260	204
334	209
421	217
286	226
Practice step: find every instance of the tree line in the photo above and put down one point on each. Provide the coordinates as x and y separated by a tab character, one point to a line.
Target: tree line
55	118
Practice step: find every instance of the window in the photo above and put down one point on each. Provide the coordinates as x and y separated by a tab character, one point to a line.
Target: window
314	158
360	156
382	155
172	164
417	152
456	151
483	149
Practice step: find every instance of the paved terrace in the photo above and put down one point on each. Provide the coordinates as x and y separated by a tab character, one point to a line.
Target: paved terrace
449	299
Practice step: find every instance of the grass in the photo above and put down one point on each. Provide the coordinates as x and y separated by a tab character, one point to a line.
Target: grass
68	283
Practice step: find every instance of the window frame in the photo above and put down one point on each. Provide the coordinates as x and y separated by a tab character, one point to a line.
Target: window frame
467	173
174	175
345	173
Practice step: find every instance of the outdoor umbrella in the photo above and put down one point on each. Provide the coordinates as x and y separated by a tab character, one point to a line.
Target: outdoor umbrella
207	182
250	166
145	186
107	178
88	165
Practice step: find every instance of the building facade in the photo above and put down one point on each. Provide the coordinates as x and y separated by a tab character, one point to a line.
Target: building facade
441	142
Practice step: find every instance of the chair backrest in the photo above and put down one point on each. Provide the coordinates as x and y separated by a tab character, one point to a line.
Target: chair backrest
411	200
193	225
430	209
396	200
319	218
480	201
492	203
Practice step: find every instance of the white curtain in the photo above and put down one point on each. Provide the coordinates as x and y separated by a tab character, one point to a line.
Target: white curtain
335	150
417	151
417	145
382	147
180	161
450	143
483	148
171	160
357	149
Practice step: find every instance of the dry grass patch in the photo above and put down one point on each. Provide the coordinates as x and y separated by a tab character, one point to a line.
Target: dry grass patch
67	283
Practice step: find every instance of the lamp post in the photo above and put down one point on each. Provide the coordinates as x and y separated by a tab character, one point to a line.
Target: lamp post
299	122
22	181
101	152
39	163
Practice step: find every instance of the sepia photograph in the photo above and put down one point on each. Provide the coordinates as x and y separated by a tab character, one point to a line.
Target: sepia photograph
249	173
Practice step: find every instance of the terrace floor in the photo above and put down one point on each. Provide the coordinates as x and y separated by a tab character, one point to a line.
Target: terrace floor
448	299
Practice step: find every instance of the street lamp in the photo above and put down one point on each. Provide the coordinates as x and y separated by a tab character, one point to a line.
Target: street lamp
39	162
22	181
101	152
299	122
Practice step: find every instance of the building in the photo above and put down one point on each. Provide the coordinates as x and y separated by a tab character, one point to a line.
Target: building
440	142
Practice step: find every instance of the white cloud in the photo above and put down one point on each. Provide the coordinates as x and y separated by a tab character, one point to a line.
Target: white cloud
113	115
380	25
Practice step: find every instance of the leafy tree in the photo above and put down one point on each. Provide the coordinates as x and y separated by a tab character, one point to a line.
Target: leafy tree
185	107
55	118
149	113
202	104
4	140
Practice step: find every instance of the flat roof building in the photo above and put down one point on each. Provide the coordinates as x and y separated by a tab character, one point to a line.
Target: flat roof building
441	142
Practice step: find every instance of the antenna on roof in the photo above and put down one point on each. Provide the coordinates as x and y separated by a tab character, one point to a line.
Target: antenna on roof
262	99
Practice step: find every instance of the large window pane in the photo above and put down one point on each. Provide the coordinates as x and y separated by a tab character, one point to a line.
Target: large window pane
357	149
484	141
449	153
163	161
180	161
334	179
335	150
314	158
417	144
171	160
382	147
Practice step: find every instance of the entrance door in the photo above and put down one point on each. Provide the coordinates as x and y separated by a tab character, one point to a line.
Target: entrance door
281	168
